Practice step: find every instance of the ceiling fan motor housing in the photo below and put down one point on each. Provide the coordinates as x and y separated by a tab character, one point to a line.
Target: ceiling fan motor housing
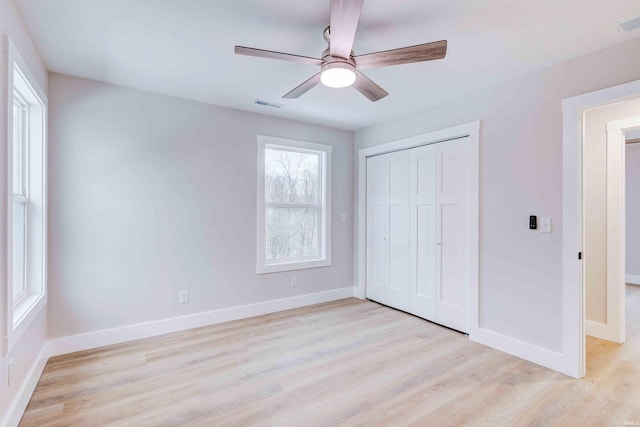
337	72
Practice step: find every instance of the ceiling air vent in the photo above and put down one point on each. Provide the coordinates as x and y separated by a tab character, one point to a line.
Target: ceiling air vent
268	104
631	24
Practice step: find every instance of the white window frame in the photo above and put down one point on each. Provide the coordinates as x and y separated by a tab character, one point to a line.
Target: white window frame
324	232
18	313
22	196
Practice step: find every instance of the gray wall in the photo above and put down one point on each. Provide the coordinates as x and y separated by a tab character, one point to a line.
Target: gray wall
632	196
150	194
520	175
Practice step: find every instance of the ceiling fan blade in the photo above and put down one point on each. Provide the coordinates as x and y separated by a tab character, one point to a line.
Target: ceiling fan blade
404	55
368	88
261	53
304	87
345	15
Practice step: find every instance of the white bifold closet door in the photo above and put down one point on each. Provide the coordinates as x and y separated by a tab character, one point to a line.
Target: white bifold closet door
418	231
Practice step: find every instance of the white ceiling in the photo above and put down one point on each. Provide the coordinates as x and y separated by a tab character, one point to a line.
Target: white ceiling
185	47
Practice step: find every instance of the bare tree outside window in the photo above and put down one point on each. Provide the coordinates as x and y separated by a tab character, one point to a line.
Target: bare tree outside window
293	197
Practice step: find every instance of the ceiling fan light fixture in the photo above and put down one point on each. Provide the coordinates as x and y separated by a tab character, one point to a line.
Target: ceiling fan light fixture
338	74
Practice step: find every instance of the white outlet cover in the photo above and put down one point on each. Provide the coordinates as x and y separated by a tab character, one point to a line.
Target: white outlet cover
12	371
184	297
343	217
544	224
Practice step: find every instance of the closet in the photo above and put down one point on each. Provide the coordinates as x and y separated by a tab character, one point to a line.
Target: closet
418	226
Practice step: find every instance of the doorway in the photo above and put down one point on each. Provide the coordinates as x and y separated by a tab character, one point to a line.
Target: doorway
603	213
574	245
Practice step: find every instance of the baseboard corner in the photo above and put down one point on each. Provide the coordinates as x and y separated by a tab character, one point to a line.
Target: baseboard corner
533	353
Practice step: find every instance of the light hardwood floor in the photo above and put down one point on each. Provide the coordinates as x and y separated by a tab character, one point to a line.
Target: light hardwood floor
348	362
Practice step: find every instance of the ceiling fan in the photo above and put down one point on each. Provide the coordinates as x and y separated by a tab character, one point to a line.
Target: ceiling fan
339	66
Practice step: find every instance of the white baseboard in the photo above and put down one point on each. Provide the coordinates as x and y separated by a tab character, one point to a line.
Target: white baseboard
105	337
524	350
633	279
595	329
18	406
602	331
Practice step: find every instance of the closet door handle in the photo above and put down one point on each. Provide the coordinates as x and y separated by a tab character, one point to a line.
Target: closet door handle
438	243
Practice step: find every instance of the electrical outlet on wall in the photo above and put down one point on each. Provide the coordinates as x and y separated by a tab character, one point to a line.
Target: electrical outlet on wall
12	371
184	297
294	281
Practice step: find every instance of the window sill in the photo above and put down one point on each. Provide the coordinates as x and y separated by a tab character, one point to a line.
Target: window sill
22	310
290	266
24	314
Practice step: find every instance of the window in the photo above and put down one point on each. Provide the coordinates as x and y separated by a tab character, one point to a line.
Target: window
26	183
293	205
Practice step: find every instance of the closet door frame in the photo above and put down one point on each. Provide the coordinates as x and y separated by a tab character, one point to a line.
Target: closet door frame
471	130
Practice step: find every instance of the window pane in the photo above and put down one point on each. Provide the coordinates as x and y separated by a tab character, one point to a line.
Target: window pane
292	233
291	177
19	246
18	148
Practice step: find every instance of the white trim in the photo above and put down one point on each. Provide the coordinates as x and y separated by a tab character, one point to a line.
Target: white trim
471	130
19	405
324	234
524	350
632	279
573	322
596	329
137	331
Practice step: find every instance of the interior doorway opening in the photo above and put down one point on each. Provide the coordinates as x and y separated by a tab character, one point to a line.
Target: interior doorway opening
573	357
604	169
602	354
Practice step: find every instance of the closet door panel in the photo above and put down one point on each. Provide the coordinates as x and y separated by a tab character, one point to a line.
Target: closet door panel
423	224
397	294
452	251
452	224
376	228
426	262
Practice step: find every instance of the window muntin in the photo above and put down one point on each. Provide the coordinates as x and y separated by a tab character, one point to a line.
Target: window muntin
293	205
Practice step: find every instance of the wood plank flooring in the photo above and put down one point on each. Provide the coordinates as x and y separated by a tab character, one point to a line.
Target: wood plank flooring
348	362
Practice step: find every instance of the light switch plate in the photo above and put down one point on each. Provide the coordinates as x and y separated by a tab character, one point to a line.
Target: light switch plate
544	224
